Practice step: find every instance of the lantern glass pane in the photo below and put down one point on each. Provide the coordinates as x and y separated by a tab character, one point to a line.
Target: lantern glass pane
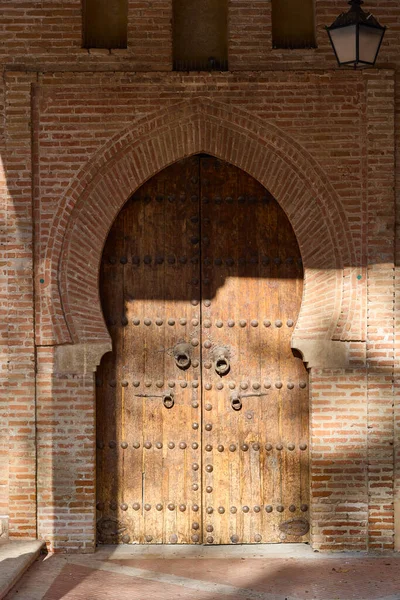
370	38
344	41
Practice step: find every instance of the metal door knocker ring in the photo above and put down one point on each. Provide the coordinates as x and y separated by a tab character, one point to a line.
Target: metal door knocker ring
236	402
168	400
221	361
182	355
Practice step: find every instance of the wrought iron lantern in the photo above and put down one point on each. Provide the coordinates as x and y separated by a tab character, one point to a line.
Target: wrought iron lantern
356	37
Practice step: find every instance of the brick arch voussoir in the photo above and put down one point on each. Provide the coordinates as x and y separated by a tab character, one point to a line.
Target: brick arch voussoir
287	171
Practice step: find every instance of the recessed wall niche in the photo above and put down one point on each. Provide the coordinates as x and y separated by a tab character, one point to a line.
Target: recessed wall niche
200	35
105	23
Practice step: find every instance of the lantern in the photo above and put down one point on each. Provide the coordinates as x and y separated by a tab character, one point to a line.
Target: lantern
356	37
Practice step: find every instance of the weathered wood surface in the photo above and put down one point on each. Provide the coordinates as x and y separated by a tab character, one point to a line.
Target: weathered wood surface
202	258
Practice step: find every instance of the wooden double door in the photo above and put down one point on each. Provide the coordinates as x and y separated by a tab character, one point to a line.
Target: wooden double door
202	407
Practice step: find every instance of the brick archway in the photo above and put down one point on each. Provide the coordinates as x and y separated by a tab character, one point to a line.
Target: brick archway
281	165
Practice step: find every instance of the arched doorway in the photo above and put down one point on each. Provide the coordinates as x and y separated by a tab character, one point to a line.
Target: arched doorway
202	408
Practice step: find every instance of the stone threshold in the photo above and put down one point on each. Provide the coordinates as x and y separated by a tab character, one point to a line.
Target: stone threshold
15	558
198	551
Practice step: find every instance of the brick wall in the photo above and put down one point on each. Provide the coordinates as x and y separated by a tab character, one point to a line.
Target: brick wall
339	478
69	118
3	329
20	362
380	322
66	453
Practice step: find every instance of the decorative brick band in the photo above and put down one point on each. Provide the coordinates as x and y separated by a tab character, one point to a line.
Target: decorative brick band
261	149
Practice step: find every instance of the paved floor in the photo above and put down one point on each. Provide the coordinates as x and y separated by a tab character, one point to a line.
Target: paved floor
291	572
